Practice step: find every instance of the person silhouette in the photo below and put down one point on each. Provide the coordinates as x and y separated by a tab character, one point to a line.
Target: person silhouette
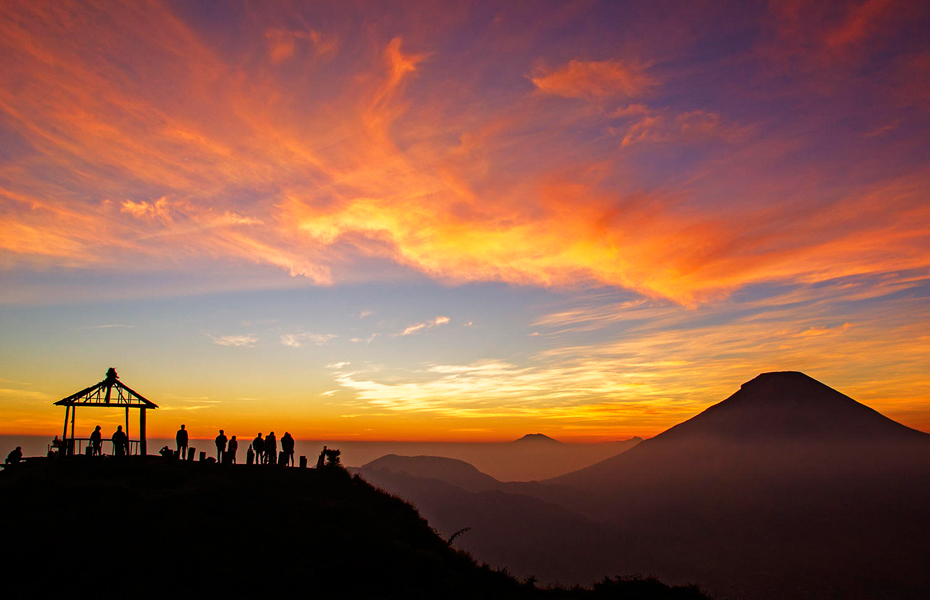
287	447
271	449
220	446
258	444
322	460
57	448
120	442
96	441
181	439
15	456
249	455
231	450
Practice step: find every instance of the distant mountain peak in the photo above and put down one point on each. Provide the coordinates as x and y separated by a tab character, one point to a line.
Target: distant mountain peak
536	438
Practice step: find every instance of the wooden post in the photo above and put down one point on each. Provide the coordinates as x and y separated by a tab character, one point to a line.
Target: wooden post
303	462
64	432
142	447
70	451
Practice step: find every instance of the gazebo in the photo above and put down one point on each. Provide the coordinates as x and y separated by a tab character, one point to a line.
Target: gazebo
109	393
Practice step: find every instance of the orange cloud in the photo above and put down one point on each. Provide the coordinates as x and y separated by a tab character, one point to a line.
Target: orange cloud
283	44
230	162
147	210
859	23
595	79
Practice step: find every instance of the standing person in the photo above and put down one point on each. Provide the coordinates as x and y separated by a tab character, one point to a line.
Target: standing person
249	455
231	450
120	442
258	444
271	449
287	446
181	439
322	460
96	441
220	446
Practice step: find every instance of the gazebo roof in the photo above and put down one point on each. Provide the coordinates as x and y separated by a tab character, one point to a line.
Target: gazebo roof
102	394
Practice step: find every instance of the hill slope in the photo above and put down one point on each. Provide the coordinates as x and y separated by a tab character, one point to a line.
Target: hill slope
507	527
156	528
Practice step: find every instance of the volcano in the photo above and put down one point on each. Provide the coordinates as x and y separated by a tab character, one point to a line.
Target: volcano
790	405
788	488
783	414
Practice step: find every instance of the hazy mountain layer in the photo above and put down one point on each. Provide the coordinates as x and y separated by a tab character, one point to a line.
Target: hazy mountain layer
787	489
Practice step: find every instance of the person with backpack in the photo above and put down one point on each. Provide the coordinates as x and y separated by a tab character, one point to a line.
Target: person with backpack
271	449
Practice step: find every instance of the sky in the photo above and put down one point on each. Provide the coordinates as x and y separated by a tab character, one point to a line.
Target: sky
460	221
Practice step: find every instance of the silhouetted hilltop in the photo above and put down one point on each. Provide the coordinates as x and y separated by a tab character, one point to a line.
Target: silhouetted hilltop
456	472
160	528
149	527
536	438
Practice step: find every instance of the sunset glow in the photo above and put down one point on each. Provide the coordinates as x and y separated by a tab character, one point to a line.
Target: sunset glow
423	221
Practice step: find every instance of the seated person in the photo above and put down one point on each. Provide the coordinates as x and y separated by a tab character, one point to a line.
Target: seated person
15	456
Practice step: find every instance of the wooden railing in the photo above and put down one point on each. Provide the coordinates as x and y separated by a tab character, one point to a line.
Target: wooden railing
80	446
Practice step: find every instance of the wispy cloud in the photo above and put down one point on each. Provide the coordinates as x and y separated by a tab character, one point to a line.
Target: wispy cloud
656	363
418	327
579	391
296	340
587	79
236	341
109	326
24	394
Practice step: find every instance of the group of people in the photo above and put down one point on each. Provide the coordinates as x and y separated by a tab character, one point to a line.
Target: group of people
262	450
119	439
95	443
